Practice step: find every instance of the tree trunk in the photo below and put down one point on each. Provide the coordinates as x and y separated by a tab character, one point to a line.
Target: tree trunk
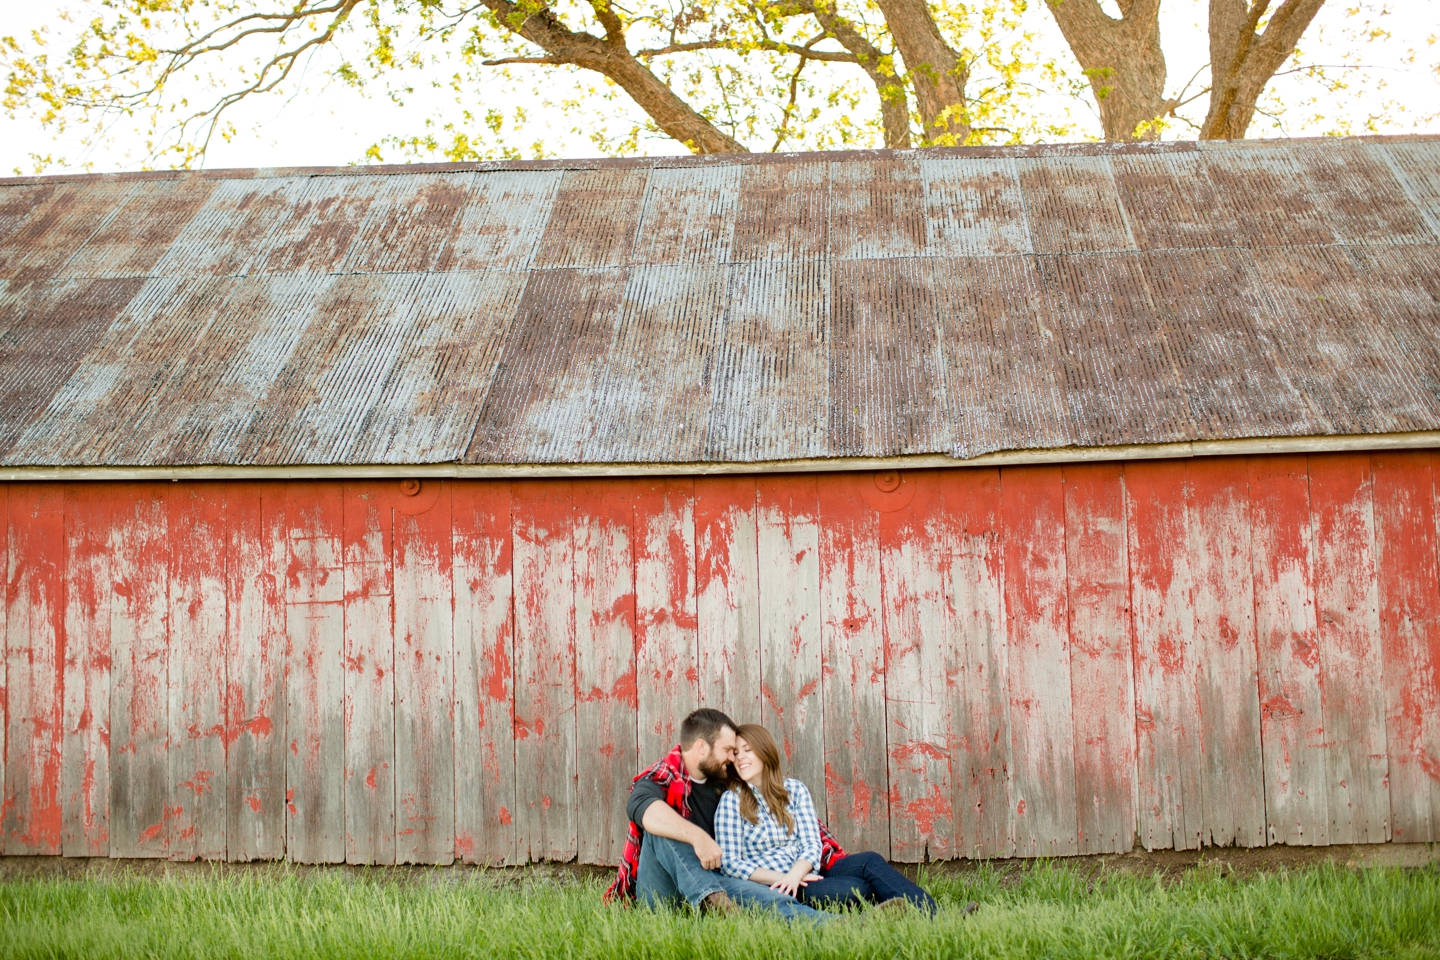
934	70
1243	61
894	104
1123	60
610	56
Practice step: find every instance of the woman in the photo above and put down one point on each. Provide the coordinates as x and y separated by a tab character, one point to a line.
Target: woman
768	832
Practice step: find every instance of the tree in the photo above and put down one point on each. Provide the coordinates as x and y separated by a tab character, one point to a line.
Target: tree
1122	58
939	72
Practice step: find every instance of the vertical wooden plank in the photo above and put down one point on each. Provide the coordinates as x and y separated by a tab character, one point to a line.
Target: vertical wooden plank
424	678
139	671
921	668
315	679
86	755
484	676
1041	722
1102	678
788	547
5	561
605	668
370	665
1170	801
1405	563
857	776
257	558
980	761
544	670
196	679
1292	724
727	596
1223	597
666	634
1352	664
35	673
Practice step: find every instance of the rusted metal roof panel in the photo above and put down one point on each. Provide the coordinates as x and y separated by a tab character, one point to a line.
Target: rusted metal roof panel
59	225
654	395
314	411
739	310
542	406
130	384
1002	354
1114	349
1170	203
1356	370
1359	195
318	219
594	218
234	367
769	376
46	339
1073	205
224	235
425	412
887	372
140	232
501	225
1234	384
1265	197
974	208
408	228
783	212
689	216
877	210
1417	166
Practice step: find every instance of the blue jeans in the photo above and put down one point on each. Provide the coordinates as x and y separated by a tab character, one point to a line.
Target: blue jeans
670	872
865	877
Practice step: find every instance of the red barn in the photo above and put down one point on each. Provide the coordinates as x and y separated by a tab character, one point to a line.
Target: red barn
1043	500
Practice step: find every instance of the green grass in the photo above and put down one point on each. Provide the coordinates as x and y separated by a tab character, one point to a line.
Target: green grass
1045	910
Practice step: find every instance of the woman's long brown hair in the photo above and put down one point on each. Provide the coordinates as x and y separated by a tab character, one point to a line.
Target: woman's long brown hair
772	780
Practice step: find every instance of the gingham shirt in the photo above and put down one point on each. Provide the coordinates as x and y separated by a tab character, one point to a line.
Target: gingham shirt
751	846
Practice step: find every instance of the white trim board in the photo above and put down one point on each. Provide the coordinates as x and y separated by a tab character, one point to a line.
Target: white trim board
1423	440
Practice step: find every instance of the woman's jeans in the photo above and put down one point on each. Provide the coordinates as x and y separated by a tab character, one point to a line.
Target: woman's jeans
864	877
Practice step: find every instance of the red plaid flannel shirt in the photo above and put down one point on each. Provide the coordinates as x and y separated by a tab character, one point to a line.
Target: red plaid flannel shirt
670	773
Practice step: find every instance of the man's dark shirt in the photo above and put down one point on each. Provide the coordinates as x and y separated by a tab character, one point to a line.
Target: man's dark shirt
704	798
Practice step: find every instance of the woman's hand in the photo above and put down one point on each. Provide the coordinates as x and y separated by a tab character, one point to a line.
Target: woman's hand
799	875
788	884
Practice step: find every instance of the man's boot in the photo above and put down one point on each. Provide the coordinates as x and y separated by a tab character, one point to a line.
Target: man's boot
720	904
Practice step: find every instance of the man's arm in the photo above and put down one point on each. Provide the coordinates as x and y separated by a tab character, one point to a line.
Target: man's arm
648	809
658	819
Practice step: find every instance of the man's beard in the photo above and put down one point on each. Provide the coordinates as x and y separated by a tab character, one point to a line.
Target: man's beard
715	769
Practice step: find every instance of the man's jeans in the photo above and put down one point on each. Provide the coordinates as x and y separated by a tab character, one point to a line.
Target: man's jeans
670	872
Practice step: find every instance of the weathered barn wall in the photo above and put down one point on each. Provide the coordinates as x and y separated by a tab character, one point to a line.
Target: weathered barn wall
1028	661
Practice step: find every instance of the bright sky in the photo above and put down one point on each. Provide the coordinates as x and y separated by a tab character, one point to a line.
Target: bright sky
326	123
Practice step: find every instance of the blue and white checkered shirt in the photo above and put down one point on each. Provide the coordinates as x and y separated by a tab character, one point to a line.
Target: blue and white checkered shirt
751	846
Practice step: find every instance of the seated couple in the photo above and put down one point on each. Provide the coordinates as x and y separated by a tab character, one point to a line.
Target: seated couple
720	840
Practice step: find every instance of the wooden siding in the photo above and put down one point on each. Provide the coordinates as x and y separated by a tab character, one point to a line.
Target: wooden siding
1030	661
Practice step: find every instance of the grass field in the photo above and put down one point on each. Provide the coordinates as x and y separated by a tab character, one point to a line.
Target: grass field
1042	911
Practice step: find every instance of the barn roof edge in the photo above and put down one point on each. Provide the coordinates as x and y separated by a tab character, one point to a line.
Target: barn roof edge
1042	150
1247	446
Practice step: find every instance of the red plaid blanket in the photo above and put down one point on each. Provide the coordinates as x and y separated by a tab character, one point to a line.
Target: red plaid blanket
670	773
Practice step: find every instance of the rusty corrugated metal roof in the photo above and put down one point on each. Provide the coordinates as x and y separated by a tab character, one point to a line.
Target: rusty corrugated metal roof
722	310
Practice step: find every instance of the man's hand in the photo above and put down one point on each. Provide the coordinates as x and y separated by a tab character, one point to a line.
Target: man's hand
660	820
707	850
